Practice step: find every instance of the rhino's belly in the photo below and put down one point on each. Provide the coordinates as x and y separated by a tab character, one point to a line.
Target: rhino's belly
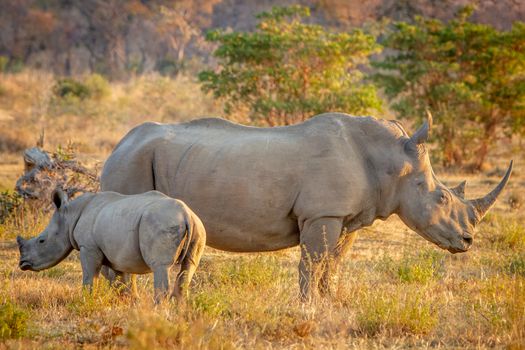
255	239
130	262
121	248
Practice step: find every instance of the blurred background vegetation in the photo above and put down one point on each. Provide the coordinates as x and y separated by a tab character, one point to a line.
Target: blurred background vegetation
87	71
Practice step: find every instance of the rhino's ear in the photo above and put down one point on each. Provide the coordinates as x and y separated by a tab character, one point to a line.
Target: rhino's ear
59	198
415	144
459	190
421	135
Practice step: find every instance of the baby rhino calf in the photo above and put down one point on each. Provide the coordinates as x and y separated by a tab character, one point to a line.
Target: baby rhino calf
131	234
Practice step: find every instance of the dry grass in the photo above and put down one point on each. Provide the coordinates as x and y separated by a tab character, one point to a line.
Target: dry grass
93	125
394	290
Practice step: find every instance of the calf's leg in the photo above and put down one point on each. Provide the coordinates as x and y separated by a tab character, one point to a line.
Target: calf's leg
161	282
189	264
91	261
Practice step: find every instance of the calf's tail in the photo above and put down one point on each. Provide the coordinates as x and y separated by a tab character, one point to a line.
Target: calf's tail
187	237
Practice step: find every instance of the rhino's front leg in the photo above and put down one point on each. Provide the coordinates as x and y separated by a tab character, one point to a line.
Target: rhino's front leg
318	242
91	261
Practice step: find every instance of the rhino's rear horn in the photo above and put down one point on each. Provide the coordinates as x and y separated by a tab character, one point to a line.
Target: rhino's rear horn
482	205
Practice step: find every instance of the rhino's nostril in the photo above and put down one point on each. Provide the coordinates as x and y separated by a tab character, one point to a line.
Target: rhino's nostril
467	239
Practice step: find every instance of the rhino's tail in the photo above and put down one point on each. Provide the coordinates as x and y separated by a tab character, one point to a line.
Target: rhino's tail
187	238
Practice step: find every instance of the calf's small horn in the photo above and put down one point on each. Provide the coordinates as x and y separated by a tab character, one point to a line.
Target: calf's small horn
482	205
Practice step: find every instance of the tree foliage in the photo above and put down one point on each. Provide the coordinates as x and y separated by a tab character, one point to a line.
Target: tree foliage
286	70
471	76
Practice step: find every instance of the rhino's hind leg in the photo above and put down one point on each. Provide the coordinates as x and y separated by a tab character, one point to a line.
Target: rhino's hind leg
318	242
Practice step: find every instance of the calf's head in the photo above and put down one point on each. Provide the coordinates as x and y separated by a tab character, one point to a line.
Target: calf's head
52	245
439	214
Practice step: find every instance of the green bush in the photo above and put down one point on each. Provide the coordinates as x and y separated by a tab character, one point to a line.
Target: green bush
287	70
423	268
69	87
214	303
9	202
13	321
97	86
468	74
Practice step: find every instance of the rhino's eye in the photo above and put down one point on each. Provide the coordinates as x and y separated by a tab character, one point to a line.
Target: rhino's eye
41	240
443	198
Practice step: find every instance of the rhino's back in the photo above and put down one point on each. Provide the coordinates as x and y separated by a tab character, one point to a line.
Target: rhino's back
113	223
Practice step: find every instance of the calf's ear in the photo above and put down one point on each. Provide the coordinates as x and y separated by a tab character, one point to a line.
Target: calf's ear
59	198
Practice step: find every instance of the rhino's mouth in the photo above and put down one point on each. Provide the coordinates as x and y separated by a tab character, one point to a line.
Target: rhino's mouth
455	250
25	265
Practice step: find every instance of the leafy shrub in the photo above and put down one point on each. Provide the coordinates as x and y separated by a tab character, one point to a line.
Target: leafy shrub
97	86
214	303
455	69
9	202
423	268
68	87
13	321
288	70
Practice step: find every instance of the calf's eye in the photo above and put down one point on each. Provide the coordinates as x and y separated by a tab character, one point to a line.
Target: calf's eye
41	240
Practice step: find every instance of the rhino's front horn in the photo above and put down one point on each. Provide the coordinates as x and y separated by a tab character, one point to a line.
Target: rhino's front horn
482	205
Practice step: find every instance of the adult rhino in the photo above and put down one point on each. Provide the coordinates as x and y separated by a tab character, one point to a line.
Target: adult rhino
310	184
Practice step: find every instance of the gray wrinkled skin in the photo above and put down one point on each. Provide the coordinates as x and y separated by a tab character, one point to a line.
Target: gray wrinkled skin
264	189
131	234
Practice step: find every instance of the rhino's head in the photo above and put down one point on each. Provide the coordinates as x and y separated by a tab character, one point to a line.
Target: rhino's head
439	214
52	245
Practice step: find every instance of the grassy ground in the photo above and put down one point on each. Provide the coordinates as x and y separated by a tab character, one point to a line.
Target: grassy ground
395	289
